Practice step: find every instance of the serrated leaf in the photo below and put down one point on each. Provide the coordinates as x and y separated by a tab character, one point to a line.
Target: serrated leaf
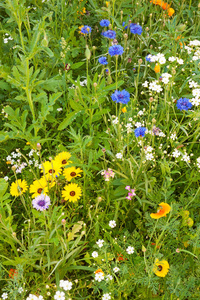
67	121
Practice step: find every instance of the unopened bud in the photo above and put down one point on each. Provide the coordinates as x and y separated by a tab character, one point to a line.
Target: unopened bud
87	52
63	221
95	84
39	146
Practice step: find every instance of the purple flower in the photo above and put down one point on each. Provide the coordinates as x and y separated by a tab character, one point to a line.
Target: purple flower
110	34
103	60
104	23
41	202
135	28
140	131
121	96
86	29
115	50
183	104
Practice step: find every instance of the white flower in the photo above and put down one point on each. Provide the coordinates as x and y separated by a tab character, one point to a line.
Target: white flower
161	134
148	149
106	297
180	61
130	119
194	43
59	296
109	277
128	125
95	254
119	155
196	92
162	60
115	121
100	243
149	156
140	112
172	58
115	269
33	297
66	285
186	158
6	178
40	297
145	84
4	296
138	124
112	224
59	109
192	84
130	250
20	290
173	136
176	153
99	276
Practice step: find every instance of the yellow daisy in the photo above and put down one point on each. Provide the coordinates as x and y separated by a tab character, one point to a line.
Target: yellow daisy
161	268
63	158
18	187
72	192
71	172
38	187
51	167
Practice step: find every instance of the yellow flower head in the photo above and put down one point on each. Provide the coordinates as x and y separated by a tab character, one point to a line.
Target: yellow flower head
38	187
161	268
171	11
124	109
18	187
51	167
63	158
49	180
72	172
162	211
72	192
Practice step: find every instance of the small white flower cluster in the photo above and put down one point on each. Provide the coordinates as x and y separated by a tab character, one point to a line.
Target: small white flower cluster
198	162
115	120
148	153
19	166
112	224
100	243
59	295
82	83
158	58
66	285
166	77
95	254
154	86
186	158
33	297
190	49
7	38
173	136
179	60
129	127
106	296
176	153
196	94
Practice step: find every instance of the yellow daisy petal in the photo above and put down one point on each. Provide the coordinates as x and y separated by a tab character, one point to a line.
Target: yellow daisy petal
18	187
72	192
72	172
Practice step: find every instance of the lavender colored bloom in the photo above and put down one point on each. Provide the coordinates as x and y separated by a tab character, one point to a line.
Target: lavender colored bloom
104	23
103	60
140	131
135	28
121	96
110	34
115	50
183	104
86	29
41	202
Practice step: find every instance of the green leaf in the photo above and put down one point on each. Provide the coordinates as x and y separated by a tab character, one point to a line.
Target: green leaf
67	121
3	187
77	65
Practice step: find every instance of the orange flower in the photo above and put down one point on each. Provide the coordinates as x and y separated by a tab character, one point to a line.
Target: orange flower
99	271
124	109
171	11
12	273
157	68
162	211
164	5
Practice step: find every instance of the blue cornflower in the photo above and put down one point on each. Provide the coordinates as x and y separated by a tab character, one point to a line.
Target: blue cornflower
140	131
104	23
135	28
183	104
121	97
86	29
103	60
148	57
110	34
115	50
123	24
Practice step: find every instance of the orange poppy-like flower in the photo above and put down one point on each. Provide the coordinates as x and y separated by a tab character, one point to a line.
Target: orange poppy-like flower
171	11
162	211
164	6
99	271
157	68
12	273
124	109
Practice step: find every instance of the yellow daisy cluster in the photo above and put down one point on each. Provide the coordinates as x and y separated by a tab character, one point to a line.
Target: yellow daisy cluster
51	170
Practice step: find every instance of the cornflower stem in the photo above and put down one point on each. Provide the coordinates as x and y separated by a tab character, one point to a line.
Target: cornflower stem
116	70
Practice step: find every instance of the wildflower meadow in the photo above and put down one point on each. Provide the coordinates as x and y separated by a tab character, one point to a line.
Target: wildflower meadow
100	149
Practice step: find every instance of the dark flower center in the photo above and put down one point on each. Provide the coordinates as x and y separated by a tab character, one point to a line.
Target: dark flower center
41	203
72	193
39	190
64	161
160	268
51	171
73	174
